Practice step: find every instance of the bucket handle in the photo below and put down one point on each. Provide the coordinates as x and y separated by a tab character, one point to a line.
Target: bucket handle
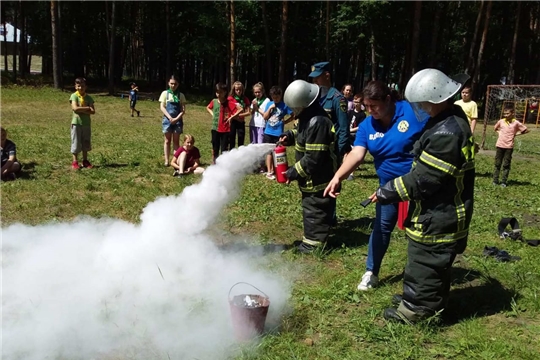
253	286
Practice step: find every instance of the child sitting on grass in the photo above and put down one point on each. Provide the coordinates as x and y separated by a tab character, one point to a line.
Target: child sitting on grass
186	158
10	165
82	105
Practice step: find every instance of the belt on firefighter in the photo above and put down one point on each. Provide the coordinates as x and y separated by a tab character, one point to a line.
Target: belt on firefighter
515	232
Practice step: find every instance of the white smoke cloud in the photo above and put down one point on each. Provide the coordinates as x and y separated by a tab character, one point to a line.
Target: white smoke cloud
105	288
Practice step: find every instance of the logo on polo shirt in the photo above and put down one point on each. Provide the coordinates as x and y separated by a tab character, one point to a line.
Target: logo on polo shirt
376	136
403	126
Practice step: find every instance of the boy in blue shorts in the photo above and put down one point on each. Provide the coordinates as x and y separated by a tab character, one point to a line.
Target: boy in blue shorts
133	96
82	105
274	115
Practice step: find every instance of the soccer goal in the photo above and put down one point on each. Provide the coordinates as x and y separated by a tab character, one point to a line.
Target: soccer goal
523	98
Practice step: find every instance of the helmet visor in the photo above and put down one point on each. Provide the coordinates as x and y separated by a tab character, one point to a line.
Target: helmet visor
421	110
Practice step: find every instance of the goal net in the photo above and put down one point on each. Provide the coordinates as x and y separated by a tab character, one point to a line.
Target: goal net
524	99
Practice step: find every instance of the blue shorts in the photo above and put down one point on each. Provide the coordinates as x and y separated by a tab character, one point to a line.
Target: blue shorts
176	128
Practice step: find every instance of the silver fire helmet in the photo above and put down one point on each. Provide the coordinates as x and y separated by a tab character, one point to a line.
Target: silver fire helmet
300	94
430	85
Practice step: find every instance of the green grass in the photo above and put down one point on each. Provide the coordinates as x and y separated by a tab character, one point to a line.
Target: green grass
495	307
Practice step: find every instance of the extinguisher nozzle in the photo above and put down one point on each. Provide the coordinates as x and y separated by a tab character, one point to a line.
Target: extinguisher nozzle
366	202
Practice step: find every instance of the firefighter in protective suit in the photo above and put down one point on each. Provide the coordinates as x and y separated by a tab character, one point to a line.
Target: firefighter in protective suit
440	189
315	157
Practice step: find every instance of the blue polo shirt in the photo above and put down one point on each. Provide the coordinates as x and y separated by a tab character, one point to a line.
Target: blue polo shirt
391	148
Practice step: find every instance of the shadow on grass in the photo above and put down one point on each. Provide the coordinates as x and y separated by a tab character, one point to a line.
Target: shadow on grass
255	249
114	166
351	233
472	301
27	171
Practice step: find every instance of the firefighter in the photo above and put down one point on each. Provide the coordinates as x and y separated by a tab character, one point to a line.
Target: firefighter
315	165
335	105
440	189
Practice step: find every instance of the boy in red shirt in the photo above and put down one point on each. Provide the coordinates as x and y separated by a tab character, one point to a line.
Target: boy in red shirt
508	127
187	158
222	111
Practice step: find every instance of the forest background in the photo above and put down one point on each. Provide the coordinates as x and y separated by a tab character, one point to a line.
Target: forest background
114	42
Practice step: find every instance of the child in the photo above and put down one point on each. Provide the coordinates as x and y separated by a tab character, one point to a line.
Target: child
173	106
133	95
257	123
469	107
274	114
186	158
356	116
508	127
222	111
82	105
347	91
238	123
10	164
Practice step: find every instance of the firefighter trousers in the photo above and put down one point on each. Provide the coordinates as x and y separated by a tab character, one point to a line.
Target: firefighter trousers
427	277
317	213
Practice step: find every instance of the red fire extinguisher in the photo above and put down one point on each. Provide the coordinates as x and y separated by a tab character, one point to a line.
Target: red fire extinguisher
280	163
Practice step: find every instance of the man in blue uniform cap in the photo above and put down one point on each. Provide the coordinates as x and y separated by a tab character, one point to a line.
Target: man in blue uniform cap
335	105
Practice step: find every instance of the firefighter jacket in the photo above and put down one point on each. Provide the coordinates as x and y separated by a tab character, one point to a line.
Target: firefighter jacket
440	185
313	140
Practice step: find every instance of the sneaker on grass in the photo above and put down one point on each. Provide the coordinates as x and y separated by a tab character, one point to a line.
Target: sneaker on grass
270	176
368	281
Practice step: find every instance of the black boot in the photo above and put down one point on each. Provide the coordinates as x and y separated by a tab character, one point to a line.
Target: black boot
391	314
305	248
396	299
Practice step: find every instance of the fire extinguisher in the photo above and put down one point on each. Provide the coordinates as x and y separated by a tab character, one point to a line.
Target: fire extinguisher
280	163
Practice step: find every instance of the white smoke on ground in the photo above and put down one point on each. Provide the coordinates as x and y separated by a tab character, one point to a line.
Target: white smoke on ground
109	289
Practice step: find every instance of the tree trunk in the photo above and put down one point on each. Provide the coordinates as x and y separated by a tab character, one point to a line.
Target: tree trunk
15	44
268	47
168	39
415	37
3	10
327	30
283	47
481	49
56	41
373	57
433	58
23	44
514	44
112	48
232	49
471	63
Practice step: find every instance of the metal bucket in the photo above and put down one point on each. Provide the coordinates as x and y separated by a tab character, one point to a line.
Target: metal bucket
248	312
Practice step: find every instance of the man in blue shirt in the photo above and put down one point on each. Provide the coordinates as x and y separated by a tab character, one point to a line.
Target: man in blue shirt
335	105
389	134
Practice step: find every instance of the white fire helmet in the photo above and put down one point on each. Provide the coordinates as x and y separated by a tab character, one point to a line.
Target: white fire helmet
429	86
299	95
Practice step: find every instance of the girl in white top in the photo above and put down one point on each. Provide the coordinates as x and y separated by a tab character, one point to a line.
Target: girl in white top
257	123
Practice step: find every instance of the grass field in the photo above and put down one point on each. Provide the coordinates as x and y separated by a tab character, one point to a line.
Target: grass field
495	307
